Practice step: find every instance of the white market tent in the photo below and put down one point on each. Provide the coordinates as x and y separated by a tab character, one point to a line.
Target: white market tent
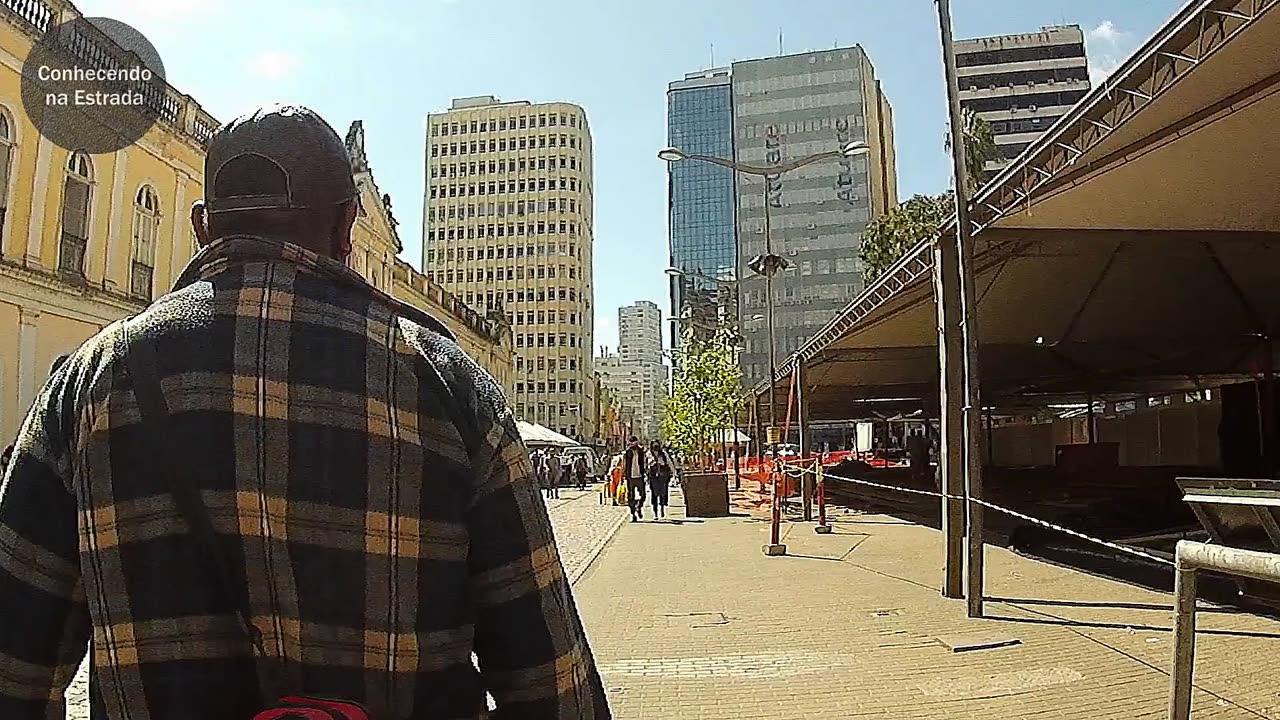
540	436
732	436
1132	249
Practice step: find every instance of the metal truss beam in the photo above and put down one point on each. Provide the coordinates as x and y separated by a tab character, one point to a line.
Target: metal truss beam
1178	50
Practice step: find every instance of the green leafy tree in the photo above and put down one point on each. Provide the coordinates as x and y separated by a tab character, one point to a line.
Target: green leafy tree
979	146
896	232
706	394
891	235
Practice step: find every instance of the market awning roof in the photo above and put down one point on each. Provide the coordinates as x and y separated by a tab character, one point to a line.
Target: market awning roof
730	435
1132	249
534	434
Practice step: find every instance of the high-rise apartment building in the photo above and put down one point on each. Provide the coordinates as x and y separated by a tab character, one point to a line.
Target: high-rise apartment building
640	333
508	227
785	109
640	389
701	201
1022	84
636	376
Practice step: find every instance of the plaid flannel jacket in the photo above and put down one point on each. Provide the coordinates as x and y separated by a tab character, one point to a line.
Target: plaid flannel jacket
364	477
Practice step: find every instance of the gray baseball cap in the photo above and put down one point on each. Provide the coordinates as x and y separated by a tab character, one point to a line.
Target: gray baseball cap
277	157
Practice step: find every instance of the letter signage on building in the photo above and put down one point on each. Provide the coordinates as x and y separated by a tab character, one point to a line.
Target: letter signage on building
844	181
773	156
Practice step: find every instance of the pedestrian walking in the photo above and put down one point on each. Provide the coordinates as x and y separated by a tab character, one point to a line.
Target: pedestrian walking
275	502
580	471
544	473
555	472
634	473
660	472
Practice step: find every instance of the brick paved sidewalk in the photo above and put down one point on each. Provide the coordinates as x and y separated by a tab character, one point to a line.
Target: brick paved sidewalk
691	620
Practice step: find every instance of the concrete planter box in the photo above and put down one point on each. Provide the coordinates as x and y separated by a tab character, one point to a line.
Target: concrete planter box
705	494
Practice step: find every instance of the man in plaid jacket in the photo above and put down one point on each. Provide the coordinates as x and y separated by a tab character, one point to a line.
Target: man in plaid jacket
363	476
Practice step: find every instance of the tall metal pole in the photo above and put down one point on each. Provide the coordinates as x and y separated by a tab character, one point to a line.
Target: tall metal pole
964	253
775	546
768	304
1267	406
946	290
802	422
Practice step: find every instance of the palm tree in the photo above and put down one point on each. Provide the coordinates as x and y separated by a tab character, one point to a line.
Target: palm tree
979	147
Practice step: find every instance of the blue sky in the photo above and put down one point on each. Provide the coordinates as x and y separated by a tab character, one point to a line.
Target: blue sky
390	62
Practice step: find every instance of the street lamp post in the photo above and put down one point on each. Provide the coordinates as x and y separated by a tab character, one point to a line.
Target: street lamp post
972	417
768	265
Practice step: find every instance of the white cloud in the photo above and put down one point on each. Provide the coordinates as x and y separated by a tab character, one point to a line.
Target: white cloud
1101	69
1108	46
1107	32
274	64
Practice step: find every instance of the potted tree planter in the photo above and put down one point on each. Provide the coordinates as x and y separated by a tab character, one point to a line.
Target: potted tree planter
706	494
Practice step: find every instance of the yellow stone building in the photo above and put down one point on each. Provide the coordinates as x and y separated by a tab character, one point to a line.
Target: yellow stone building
376	247
87	240
509	209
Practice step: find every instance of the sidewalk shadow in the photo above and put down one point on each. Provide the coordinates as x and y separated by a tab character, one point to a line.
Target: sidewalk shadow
1109	605
1065	622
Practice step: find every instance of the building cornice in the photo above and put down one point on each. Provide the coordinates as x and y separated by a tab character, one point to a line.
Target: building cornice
179	114
81	301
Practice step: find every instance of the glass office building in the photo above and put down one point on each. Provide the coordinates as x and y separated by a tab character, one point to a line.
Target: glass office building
785	109
701	197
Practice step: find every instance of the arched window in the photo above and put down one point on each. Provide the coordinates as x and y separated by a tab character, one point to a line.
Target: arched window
6	163
76	191
146	232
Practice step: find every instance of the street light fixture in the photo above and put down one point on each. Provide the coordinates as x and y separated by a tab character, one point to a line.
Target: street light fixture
768	265
672	155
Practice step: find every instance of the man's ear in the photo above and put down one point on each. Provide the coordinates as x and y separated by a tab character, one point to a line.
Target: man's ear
200	223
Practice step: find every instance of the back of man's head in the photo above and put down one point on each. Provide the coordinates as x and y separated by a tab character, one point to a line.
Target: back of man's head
283	173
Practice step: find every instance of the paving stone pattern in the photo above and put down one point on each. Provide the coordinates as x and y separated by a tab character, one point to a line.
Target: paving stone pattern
582	527
692	621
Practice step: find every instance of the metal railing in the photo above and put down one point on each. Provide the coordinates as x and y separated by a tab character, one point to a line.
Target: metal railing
32	13
1191	558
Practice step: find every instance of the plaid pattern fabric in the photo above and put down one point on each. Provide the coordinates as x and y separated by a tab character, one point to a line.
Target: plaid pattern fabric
367	484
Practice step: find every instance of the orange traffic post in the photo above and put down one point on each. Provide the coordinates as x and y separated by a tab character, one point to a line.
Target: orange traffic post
823	528
775	546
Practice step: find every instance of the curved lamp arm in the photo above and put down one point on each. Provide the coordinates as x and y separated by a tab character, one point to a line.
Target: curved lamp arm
676	272
769	171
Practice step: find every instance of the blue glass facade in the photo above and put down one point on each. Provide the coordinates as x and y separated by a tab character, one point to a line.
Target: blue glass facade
701	195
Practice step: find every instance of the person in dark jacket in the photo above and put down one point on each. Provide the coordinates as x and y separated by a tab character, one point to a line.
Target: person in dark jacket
660	473
555	470
634	471
365	478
